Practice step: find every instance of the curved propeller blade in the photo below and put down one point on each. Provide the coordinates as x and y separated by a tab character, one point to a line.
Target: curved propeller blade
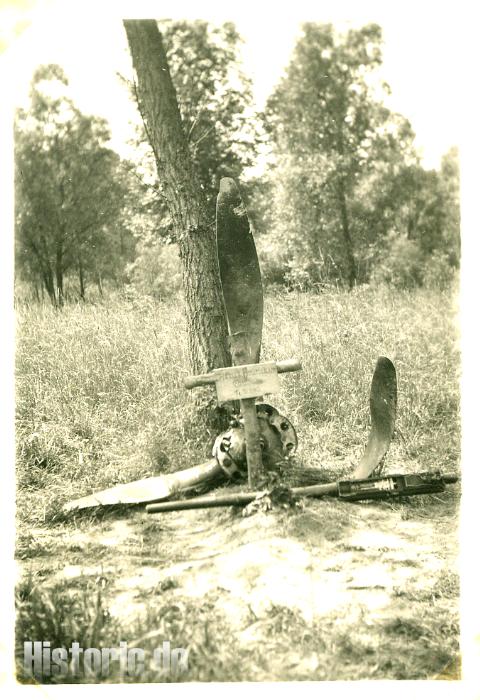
383	410
239	269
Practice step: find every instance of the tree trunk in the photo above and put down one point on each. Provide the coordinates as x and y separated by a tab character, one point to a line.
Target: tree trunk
50	285
347	238
194	228
40	253
59	273
81	279
98	281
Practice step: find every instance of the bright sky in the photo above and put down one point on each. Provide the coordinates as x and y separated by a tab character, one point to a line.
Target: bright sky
422	52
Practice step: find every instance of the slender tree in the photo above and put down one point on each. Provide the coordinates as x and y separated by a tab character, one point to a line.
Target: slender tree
70	190
450	185
330	130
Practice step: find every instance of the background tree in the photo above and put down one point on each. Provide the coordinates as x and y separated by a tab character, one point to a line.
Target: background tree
419	211
450	189
71	191
330	132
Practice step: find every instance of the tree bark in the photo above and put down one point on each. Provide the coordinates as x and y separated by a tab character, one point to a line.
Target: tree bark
40	253
81	279
194	228
50	285
98	281
59	272
347	237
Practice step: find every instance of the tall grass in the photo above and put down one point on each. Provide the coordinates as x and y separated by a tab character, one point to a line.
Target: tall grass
100	398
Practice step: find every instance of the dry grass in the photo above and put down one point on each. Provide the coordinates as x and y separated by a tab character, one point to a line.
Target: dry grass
100	401
100	397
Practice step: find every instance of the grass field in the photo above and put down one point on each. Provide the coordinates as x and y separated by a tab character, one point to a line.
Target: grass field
100	401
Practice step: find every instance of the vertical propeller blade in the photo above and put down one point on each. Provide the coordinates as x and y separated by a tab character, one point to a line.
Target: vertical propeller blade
383	410
239	269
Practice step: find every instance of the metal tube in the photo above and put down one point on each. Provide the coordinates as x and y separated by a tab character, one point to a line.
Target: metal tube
230	499
238	499
243	498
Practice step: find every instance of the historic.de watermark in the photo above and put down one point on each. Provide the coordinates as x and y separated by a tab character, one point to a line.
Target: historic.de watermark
42	662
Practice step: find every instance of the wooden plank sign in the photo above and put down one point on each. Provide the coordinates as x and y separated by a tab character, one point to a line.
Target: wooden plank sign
254	372
246	381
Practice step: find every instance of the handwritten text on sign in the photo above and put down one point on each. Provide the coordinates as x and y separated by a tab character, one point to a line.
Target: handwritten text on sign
247	381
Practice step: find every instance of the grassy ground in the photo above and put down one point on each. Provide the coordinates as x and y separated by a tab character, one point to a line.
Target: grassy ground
100	401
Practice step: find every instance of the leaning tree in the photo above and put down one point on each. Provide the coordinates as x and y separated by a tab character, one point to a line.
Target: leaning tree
180	186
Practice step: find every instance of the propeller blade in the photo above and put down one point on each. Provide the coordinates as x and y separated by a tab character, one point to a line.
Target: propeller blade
383	409
239	269
154	488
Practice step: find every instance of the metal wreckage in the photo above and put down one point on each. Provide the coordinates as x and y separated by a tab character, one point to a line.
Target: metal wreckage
259	438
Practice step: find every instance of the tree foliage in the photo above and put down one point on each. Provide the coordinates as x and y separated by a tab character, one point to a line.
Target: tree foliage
450	190
72	191
421	214
214	98
347	177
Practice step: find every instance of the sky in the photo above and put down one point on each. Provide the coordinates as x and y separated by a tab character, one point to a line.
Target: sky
423	46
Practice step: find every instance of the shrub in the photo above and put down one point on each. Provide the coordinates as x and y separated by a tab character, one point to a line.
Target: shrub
156	271
273	260
438	271
402	264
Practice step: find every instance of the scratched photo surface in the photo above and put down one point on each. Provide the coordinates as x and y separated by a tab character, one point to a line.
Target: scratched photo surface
237	253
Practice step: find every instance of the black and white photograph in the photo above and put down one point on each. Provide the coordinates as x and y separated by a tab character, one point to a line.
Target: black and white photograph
237	260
